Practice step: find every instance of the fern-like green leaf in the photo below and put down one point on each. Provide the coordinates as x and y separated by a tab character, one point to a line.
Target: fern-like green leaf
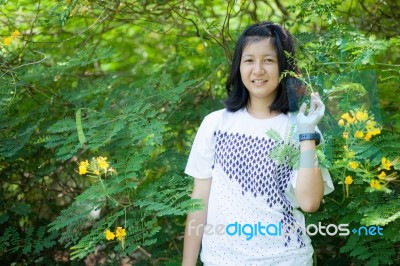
274	135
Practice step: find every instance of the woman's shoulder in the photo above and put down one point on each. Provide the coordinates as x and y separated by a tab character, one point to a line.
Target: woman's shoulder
221	113
220	116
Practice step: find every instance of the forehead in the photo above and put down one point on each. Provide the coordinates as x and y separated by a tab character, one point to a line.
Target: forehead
259	45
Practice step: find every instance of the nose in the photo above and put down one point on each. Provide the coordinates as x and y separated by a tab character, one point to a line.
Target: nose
258	68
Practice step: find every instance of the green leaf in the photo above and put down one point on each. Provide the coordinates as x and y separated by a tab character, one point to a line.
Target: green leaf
274	135
79	128
22	209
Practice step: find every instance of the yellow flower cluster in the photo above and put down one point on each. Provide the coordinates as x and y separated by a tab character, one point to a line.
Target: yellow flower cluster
359	134
382	175
363	126
379	178
8	40
353	165
102	162
120	234
358	125
109	235
348	180
96	166
385	163
371	130
346	118
375	184
83	167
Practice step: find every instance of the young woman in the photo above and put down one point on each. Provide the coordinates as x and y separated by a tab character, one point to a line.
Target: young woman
251	202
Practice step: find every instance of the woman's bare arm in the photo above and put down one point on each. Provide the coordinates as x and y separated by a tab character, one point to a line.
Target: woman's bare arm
195	223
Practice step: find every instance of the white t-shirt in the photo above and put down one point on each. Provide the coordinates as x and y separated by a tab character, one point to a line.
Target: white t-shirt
252	216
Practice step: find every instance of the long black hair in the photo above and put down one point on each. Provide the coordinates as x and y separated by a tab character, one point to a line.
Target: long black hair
289	87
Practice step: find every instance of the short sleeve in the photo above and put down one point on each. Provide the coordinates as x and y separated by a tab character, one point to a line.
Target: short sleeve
201	157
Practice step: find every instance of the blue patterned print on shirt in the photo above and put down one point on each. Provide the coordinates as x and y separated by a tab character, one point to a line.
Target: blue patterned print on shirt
244	159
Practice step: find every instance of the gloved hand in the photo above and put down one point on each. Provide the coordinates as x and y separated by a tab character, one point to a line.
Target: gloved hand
307	123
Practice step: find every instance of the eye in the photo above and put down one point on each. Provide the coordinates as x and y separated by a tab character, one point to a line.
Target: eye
248	60
269	60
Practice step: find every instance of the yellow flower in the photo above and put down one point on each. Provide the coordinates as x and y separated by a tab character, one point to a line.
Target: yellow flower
348	180
370	125
16	34
341	122
361	116
102	162
200	47
347	117
385	163
371	129
359	134
353	165
109	235
382	175
375	184
7	41
368	136
375	131
82	170
345	135
83	167
120	233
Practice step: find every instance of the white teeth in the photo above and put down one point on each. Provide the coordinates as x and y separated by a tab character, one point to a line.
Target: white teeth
259	82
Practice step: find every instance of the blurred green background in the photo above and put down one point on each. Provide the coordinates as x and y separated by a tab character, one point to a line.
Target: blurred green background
131	81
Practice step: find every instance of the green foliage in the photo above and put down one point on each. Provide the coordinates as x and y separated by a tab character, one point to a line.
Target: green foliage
383	214
165	196
131	81
273	134
31	242
285	150
372	249
387	144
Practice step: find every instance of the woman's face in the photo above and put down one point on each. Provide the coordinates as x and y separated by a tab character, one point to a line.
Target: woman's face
259	70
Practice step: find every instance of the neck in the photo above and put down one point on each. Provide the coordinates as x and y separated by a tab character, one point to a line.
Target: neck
260	109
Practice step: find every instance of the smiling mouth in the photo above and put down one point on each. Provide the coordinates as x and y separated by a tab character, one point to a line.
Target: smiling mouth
259	81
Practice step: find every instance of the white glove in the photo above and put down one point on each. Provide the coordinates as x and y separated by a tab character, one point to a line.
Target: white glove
307	123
